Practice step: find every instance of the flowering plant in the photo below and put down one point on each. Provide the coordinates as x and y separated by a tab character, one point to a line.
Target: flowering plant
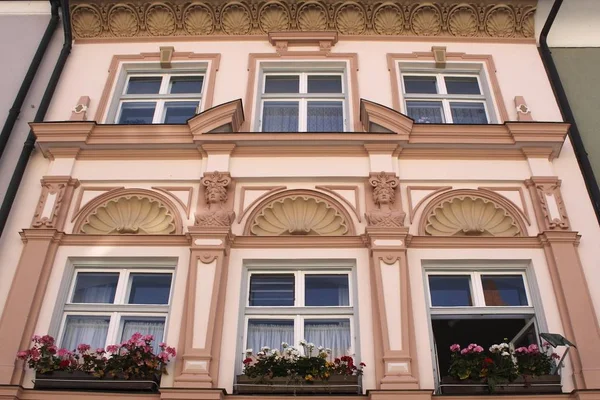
132	358
290	362
532	361
467	363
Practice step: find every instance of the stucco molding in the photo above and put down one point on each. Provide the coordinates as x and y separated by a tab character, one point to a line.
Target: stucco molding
54	202
299	212
548	204
412	209
101	19
129	212
467	212
243	210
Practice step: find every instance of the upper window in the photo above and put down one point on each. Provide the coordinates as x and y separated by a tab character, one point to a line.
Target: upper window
438	98
303	102
288	306
169	98
482	306
107	306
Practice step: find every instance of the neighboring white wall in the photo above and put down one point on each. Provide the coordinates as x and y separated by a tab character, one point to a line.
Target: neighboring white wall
576	23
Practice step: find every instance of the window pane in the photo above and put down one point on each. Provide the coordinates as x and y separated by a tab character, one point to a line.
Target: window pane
137	113
450	290
149	288
186	84
504	290
420	84
270	333
324	84
468	113
326	290
145	326
272	290
282	84
325	116
87	330
462	85
280	116
144	85
95	287
425	112
178	112
333	334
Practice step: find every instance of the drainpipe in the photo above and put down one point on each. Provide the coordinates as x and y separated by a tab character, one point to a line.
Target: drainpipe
15	110
29	144
563	102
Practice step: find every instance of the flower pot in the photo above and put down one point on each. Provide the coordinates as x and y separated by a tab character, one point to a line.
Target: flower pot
522	385
78	380
336	384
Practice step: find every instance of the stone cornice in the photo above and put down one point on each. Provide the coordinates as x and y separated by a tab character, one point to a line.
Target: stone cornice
139	19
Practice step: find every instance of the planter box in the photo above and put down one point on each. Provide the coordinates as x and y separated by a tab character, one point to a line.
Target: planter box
336	384
78	380
521	385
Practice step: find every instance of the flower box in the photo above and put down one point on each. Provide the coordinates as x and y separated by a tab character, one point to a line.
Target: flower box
78	380
336	384
522	385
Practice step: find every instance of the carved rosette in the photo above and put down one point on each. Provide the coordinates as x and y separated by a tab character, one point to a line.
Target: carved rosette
384	196
217	213
453	18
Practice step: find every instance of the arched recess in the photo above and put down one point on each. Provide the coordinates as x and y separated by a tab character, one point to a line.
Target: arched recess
467	212
129	211
299	212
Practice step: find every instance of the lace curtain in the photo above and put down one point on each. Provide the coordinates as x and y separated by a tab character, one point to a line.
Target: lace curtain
425	112
271	334
468	113
325	116
280	116
86	330
155	328
330	334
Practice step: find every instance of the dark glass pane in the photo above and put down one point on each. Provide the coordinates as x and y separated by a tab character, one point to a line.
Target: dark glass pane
149	288
462	85
178	112
425	112
325	116
420	84
186	84
136	113
84	329
272	290
332	334
269	333
326	290
504	290
280	116
144	85
450	290
95	287
468	113
282	84
324	84
145	326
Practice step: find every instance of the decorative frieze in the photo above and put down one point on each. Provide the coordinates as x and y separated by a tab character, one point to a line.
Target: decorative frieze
508	19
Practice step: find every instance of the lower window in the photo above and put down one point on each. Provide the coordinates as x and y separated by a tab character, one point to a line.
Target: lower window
482	307
108	306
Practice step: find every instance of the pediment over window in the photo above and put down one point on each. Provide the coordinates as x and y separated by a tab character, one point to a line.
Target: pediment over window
299	213
471	213
129	211
378	118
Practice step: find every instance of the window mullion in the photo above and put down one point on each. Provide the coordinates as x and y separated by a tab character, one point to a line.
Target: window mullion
479	299
121	287
302	115
164	85
299	330
299	290
441	84
113	328
447	111
158	112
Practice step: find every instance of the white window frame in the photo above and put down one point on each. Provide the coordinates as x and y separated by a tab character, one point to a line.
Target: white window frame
303	97
452	70
533	311
119	309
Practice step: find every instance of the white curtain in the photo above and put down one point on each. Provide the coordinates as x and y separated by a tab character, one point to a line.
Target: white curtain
270	334
425	112
87	330
325	116
280	116
155	328
95	288
468	113
329	334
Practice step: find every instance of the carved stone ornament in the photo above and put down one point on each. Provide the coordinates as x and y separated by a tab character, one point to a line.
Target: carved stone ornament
215	195
301	215
130	214
442	18
548	203
384	195
471	216
51	201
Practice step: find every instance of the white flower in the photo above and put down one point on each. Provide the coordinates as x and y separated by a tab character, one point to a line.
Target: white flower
328	350
311	346
505	354
284	345
248	351
320	348
303	342
260	354
265	349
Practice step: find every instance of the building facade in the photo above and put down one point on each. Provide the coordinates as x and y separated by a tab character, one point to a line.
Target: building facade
385	179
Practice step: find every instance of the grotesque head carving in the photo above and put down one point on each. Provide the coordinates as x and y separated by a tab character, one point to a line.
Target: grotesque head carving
384	188
216	188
